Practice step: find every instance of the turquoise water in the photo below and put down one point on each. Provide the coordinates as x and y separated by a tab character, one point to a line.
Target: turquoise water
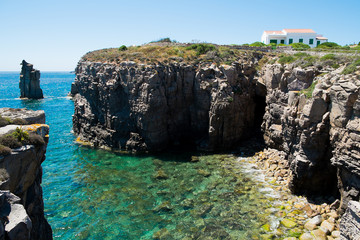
95	194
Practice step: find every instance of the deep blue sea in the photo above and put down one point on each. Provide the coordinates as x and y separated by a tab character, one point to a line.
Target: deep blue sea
95	194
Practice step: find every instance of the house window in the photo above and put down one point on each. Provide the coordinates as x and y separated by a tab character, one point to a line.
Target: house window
311	41
318	43
273	41
282	41
301	40
291	40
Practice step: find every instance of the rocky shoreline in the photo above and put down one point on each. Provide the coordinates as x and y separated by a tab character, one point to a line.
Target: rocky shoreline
23	142
319	219
309	112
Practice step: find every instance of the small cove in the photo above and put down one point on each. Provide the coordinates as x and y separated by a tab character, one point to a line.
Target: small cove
95	194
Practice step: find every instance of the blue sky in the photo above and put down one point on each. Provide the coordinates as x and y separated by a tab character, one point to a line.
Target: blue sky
53	35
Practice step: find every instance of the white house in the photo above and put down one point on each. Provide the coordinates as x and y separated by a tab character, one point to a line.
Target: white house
288	36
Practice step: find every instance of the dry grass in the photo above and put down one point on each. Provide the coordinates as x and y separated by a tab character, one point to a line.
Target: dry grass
149	54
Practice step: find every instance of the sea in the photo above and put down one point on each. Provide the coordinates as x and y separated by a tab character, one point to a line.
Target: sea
97	194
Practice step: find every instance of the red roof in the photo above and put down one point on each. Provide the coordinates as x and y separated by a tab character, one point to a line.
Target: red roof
299	30
274	32
321	38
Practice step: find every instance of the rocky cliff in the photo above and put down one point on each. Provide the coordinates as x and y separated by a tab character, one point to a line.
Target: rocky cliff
152	107
311	114
315	120
21	201
30	82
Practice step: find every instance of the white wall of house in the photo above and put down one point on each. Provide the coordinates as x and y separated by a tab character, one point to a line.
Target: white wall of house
296	37
307	38
265	38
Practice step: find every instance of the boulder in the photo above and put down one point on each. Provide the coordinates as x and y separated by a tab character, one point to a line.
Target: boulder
18	224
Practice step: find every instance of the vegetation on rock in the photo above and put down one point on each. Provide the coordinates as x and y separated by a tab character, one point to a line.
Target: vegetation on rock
4	121
308	92
4	150
300	45
10	141
328	45
153	54
35	140
122	48
257	44
20	134
351	68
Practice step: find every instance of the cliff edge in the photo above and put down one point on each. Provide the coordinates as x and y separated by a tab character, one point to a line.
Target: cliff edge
23	141
305	106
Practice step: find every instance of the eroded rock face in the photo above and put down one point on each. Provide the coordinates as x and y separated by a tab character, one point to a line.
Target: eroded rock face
350	222
138	107
30	82
320	134
30	116
141	107
21	174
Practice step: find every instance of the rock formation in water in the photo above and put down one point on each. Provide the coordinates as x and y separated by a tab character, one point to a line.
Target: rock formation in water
312	114
21	200
30	82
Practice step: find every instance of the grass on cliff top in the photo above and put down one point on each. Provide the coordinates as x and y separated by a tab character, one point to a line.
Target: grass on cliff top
149	54
351	68
304	60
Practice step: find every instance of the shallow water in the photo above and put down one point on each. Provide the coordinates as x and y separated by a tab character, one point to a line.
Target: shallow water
95	194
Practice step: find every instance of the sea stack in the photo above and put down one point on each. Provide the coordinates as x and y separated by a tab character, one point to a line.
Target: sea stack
30	82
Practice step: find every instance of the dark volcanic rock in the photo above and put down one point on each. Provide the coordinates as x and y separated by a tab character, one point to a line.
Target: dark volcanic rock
30	82
153	107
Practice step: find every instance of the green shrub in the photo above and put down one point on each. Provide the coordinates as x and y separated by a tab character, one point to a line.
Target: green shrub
301	54
201	48
3	122
35	139
308	61
166	40
4	150
10	141
286	59
300	45
20	134
328	45
328	57
308	92
257	44
352	67
123	48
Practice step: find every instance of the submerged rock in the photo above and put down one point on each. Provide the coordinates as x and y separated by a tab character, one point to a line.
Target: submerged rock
160	174
30	82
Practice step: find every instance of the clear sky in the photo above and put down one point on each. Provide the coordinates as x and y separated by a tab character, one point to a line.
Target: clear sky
53	35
